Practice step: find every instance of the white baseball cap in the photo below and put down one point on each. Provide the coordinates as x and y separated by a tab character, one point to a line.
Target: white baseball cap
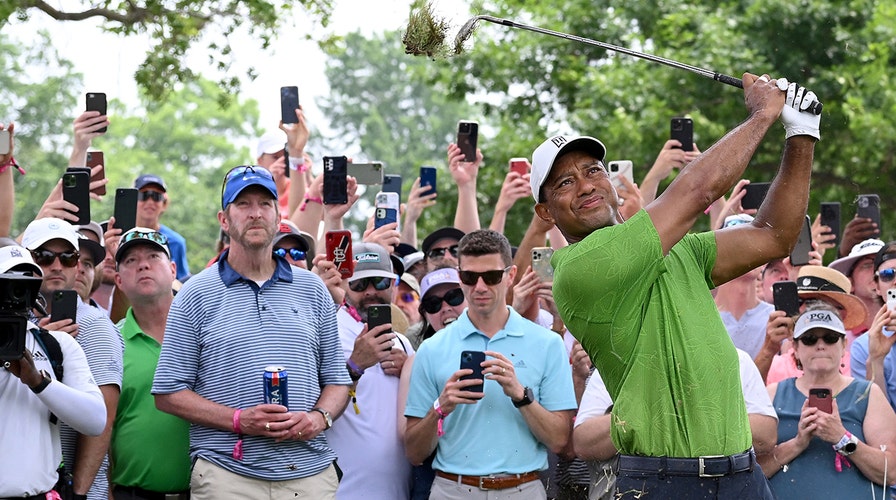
862	249
14	255
544	156
270	143
810	320
41	231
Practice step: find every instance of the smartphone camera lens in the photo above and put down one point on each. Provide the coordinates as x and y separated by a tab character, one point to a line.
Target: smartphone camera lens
863	202
465	127
676	125
69	181
468	357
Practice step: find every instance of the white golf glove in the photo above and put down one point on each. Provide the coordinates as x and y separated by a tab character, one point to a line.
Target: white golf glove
797	120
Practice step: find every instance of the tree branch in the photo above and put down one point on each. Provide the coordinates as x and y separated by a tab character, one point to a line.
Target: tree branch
133	15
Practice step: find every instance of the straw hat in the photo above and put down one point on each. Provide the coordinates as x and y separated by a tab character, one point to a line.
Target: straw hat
833	287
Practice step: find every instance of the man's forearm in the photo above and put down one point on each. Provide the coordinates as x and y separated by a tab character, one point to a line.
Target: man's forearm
7	200
334	399
467	216
551	428
788	196
421	437
92	450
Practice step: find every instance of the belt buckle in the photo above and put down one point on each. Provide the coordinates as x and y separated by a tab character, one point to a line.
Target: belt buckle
485	478
701	465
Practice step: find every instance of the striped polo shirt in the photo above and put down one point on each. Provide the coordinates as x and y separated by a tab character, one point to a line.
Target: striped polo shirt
223	330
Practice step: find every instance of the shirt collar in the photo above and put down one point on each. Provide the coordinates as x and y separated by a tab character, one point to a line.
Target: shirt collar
283	271
513	327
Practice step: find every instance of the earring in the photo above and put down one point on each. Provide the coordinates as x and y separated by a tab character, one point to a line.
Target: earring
799	366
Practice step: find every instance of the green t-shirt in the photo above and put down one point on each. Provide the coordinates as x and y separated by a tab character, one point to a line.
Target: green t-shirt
150	449
652	329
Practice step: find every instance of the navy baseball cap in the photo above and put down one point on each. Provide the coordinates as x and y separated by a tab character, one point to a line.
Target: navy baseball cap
239	178
147	179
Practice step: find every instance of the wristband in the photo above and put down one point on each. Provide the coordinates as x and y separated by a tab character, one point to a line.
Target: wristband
44	382
354	371
438	409
238	447
236	421
316	199
11	162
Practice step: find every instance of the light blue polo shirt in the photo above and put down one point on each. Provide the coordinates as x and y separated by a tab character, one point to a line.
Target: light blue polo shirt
491	436
859	357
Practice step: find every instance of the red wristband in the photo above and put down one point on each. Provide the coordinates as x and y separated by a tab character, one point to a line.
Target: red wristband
238	447
236	421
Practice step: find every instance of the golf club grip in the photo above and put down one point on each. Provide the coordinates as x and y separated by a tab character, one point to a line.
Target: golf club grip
814	108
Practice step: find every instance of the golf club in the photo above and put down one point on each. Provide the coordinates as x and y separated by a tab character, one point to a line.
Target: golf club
467	30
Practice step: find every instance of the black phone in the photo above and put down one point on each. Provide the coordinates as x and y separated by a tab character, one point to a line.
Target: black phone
820	397
392	184
467	138
868	207
754	195
289	102
286	160
830	217
96	101
379	314
335	182
682	130
428	178
76	190
786	297
96	158
64	306
799	256
125	210
473	361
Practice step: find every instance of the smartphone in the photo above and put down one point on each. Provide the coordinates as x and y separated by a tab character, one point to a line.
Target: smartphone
754	195
830	217
682	130
786	297
467	137
820	397
335	183
96	101
125	210
65	306
392	184
367	173
473	361
620	168
76	190
289	102
386	211
519	165
891	305
868	206
5	142
541	263
339	251
379	314
286	160
428	178
95	158
799	256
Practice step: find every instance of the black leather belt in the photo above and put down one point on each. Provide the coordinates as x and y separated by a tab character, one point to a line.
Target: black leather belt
151	495
709	466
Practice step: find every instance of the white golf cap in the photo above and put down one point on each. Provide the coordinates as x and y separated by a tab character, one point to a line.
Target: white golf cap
41	231
544	156
270	143
13	255
862	249
810	320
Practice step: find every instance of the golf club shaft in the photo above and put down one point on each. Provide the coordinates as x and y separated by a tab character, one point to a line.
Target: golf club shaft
814	108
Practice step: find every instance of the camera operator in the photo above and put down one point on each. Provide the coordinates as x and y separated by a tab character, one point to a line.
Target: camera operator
32	400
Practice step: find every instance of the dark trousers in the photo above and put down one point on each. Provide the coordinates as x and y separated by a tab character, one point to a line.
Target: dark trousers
739	486
128	493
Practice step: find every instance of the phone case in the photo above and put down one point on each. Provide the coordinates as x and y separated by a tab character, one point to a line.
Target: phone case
377	315
289	102
519	165
786	298
799	256
891	299
76	190
541	263
682	130
335	183
96	101
5	142
339	251
428	178
95	158
65	305
467	138
620	168
820	398
868	206
125	210
386	211
473	361
367	173
392	184
754	195
830	216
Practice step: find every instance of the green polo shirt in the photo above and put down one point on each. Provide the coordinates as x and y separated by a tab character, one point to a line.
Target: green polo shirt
150	449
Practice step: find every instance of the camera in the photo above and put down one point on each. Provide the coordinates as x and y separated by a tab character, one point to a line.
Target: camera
18	294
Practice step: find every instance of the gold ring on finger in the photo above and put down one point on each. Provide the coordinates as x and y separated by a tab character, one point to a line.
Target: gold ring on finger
267	427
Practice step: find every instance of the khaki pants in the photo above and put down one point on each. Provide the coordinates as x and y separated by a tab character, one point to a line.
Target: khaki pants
210	482
445	489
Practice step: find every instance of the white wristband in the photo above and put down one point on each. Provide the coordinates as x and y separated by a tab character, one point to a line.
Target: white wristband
294	162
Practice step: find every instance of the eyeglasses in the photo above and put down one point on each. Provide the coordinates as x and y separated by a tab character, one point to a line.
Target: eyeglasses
46	257
295	253
379	283
408	296
153	236
490	278
886	275
433	304
829	339
235	172
155	196
439	253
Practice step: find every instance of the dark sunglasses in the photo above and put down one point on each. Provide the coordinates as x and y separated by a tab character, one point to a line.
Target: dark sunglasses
154	236
408	296
829	339
490	278
886	275
433	304
439	253
295	253
379	284
46	257
151	195
235	172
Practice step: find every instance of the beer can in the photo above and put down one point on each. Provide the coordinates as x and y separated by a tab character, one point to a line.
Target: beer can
275	388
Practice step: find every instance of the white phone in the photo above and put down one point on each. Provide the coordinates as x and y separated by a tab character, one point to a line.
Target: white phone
891	305
387	208
620	168
4	142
